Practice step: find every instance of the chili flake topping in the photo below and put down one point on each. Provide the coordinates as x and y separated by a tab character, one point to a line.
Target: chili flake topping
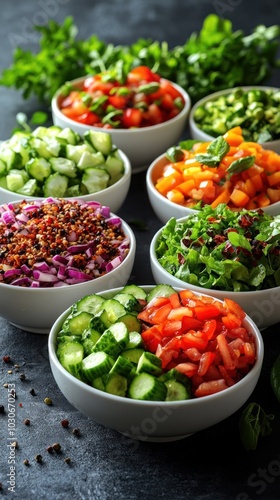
58	242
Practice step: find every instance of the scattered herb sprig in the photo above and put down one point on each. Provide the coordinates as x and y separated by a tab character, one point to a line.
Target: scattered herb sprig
213	59
254	422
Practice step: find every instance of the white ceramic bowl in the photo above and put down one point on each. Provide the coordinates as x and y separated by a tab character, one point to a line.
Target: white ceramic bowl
114	195
164	208
197	133
36	309
149	420
263	306
141	145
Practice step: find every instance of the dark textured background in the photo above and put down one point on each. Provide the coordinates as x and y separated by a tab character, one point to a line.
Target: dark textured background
104	465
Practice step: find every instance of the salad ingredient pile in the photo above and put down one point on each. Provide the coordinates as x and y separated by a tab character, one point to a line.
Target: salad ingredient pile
109	100
56	162
217	248
256	111
55	242
226	170
161	346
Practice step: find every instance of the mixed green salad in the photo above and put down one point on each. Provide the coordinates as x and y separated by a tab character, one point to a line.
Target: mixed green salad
222	249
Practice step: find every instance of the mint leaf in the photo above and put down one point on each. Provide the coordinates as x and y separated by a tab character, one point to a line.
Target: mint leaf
216	151
240	165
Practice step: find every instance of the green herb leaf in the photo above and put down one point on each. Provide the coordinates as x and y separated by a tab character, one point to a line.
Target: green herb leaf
275	377
174	154
216	151
238	240
240	165
254	422
39	118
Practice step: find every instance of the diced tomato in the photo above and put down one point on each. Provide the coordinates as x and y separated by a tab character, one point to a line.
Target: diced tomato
172	328
206	360
231	321
206	311
132	117
117	101
152	338
180	313
142	73
160	314
191	340
211	387
235	308
189	369
225	352
200	337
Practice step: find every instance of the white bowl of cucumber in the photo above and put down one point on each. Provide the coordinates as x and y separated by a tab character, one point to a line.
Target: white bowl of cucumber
55	251
56	162
126	358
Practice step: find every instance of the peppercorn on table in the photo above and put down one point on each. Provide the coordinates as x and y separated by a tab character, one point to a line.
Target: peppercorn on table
48	448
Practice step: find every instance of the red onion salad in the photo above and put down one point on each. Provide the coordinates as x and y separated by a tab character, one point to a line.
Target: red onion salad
58	242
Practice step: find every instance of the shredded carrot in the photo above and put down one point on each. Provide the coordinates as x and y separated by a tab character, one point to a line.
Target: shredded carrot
190	181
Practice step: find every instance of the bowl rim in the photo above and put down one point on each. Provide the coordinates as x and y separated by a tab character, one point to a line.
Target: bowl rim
215	95
196	288
183	113
132	250
132	402
125	177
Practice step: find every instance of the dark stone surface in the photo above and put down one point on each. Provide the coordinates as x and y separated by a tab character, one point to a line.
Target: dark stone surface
104	465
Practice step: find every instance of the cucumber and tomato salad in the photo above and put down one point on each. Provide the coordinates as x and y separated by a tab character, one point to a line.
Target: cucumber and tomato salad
161	345
108	100
56	162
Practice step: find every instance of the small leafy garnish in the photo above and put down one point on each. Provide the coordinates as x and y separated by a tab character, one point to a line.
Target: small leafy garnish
275	377
174	153
188	144
38	118
240	165
216	151
254	422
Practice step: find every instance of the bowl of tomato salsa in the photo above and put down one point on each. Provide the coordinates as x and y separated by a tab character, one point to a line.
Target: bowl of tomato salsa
143	112
185	368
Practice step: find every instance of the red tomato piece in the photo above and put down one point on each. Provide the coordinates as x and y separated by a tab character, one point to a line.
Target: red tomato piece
160	314
188	368
206	360
190	323
193	354
171	328
117	101
152	338
235	308
207	311
141	73
180	313
191	340
223	348
209	328
211	387
231	321
132	117
175	300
